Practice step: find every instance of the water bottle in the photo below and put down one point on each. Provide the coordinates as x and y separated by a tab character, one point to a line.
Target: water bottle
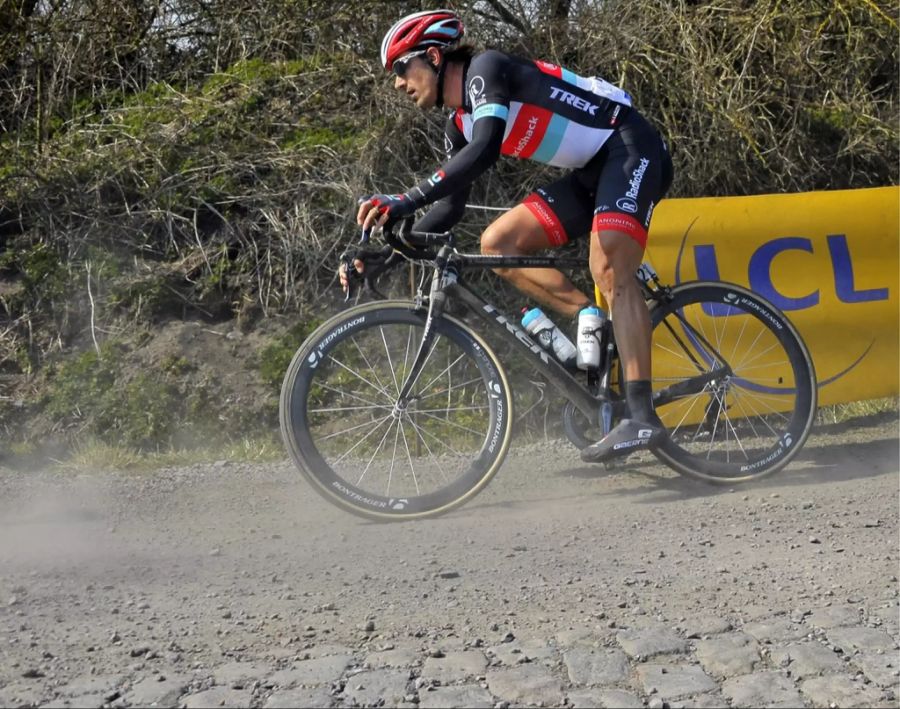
550	337
590	320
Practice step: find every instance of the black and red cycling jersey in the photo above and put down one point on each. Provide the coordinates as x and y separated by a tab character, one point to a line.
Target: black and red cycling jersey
540	111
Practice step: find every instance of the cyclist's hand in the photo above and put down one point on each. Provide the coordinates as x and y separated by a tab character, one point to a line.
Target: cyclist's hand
344	277
381	209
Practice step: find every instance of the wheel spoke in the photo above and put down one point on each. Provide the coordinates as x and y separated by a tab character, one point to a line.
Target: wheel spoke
359	376
435	460
442	372
455	425
449	389
345	431
421	432
374	454
412	468
352	395
741	417
363	439
369	366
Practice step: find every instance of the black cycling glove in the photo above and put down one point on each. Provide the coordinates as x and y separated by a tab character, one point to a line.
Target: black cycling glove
396	206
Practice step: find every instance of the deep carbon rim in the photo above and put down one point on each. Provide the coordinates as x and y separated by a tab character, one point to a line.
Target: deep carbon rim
343	426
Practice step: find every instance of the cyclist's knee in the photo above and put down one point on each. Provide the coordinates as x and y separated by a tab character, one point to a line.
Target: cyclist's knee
613	276
604	276
614	259
496	241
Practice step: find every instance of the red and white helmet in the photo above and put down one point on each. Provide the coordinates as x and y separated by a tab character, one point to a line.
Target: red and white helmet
431	28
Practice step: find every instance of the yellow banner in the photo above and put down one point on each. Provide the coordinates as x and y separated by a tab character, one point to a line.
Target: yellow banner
829	260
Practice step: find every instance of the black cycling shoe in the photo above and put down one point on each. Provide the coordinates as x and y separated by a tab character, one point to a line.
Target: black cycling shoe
628	436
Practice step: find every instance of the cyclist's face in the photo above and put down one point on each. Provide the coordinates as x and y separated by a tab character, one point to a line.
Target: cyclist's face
418	80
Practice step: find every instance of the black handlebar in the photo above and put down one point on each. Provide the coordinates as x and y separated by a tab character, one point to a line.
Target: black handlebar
401	244
416	245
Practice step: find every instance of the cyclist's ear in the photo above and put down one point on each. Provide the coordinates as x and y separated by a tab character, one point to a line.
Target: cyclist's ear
434	56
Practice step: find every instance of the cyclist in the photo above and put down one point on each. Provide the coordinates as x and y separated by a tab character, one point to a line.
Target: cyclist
618	170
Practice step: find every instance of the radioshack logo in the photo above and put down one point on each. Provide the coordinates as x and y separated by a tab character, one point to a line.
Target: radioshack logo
627	205
526	139
636	177
436	177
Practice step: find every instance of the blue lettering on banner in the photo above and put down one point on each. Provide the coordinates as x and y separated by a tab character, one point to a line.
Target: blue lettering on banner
707	266
759	274
843	274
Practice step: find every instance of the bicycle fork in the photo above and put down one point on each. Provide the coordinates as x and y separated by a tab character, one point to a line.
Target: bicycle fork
443	277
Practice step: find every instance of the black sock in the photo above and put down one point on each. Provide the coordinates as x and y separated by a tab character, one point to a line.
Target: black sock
639	395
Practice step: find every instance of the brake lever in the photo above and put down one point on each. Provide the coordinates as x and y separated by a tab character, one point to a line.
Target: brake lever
375	264
369	285
371	275
347	259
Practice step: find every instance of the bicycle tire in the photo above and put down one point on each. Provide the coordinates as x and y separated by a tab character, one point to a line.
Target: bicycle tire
751	422
345	432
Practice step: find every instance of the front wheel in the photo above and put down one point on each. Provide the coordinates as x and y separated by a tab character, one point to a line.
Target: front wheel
380	457
733	383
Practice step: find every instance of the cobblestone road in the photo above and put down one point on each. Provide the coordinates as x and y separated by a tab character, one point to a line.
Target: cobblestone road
234	586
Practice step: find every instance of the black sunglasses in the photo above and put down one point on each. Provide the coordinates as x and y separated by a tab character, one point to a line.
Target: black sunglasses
401	65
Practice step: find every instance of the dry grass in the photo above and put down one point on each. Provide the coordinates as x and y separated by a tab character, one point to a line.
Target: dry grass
91	456
839	413
203	159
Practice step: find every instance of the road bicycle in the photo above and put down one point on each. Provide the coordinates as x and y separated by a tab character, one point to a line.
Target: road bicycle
401	409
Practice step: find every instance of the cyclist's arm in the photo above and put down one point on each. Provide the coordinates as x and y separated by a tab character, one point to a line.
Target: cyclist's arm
447	212
462	169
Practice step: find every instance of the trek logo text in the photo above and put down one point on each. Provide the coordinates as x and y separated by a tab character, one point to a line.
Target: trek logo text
573	100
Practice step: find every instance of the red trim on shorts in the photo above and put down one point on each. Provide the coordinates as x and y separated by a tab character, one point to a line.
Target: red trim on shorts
553	228
614	221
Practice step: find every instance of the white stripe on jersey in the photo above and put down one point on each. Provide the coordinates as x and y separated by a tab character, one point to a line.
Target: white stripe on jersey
604	88
579	144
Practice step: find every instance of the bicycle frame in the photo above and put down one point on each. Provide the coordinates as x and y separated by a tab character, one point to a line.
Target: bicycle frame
599	407
446	283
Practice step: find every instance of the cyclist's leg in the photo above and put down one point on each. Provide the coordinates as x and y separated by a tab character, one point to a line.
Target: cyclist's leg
635	175
615	256
533	226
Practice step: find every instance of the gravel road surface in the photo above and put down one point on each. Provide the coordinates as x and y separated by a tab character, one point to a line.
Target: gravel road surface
560	585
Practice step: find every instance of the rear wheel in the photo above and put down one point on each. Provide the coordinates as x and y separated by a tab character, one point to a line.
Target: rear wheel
374	455
733	383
